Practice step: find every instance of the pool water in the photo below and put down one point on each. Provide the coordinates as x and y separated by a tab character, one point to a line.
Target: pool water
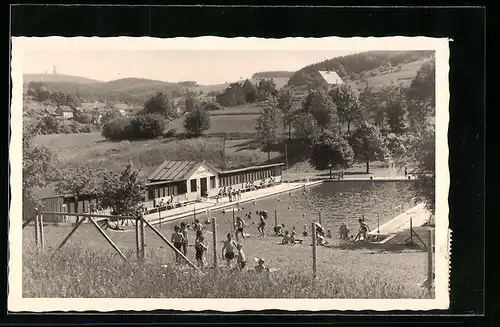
337	201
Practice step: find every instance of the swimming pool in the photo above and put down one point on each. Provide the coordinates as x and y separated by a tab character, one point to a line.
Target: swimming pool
337	201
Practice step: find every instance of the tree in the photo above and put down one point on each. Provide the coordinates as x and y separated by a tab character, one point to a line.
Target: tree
77	182
330	149
367	143
289	106
59	99
118	128
322	108
349	109
267	126
250	91
82	117
190	101
48	125
147	126
160	104
39	169
265	88
122	192
305	126
423	153
422	95
197	121
396	113
42	93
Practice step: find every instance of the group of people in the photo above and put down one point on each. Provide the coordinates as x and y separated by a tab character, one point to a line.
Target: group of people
232	194
180	241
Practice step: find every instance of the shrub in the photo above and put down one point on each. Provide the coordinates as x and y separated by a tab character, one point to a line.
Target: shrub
82	117
116	128
211	106
86	129
171	132
147	126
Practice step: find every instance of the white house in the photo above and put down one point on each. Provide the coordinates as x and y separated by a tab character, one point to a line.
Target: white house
331	78
65	111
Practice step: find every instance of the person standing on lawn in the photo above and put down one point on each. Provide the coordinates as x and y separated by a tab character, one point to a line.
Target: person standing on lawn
178	240
228	249
185	236
200	248
239	228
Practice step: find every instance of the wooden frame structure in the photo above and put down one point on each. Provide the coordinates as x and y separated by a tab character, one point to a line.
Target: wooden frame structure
140	224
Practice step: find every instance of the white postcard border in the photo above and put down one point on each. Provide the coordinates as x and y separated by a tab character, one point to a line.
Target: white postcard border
17	303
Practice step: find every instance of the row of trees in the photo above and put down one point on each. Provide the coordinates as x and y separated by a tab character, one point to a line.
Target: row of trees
42	93
152	120
390	124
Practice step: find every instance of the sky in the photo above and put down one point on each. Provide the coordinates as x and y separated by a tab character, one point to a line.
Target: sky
203	66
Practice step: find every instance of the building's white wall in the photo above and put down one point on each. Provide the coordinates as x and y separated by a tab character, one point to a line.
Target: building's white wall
201	172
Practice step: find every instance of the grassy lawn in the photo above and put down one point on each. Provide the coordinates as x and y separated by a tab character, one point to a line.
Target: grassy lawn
221	123
88	267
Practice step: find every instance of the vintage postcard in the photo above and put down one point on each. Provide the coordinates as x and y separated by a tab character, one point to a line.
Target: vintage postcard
229	174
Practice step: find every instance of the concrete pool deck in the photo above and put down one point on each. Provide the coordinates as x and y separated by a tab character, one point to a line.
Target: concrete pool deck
202	207
419	216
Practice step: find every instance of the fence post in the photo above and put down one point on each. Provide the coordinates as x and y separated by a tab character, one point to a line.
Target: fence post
234	222
275	218
378	226
430	250
137	239
159	215
319	215
214	238
37	241
411	232
313	226
143	245
40	224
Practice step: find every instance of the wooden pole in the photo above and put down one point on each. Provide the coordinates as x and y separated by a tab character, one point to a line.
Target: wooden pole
142	239
159	215
106	237
411	232
137	241
378	226
313	226
214	237
275	218
320	221
234	221
286	156
28	221
37	236
69	235
40	226
430	250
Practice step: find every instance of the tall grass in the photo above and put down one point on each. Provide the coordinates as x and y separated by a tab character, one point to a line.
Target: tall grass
85	274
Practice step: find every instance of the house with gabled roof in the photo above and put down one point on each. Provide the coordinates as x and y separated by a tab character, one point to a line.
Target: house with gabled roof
331	78
65	111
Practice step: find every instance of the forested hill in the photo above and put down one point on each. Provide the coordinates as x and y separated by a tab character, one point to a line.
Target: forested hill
273	74
356	66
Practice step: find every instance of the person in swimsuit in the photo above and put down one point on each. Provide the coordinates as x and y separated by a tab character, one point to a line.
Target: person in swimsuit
260	266
242	260
304	232
200	248
239	228
177	239
286	238
363	229
185	235
262	225
344	232
198	228
228	249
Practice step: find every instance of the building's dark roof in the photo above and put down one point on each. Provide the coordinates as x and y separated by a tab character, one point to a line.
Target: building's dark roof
250	168
177	170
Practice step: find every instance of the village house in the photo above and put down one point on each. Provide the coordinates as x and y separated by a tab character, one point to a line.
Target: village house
232	96
331	78
65	111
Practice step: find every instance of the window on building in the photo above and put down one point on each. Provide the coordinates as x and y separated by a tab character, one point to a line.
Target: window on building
193	185
212	182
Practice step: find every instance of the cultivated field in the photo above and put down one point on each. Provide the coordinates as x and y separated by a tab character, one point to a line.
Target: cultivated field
403	76
92	148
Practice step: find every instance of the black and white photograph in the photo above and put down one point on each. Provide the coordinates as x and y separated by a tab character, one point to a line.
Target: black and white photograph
229	174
